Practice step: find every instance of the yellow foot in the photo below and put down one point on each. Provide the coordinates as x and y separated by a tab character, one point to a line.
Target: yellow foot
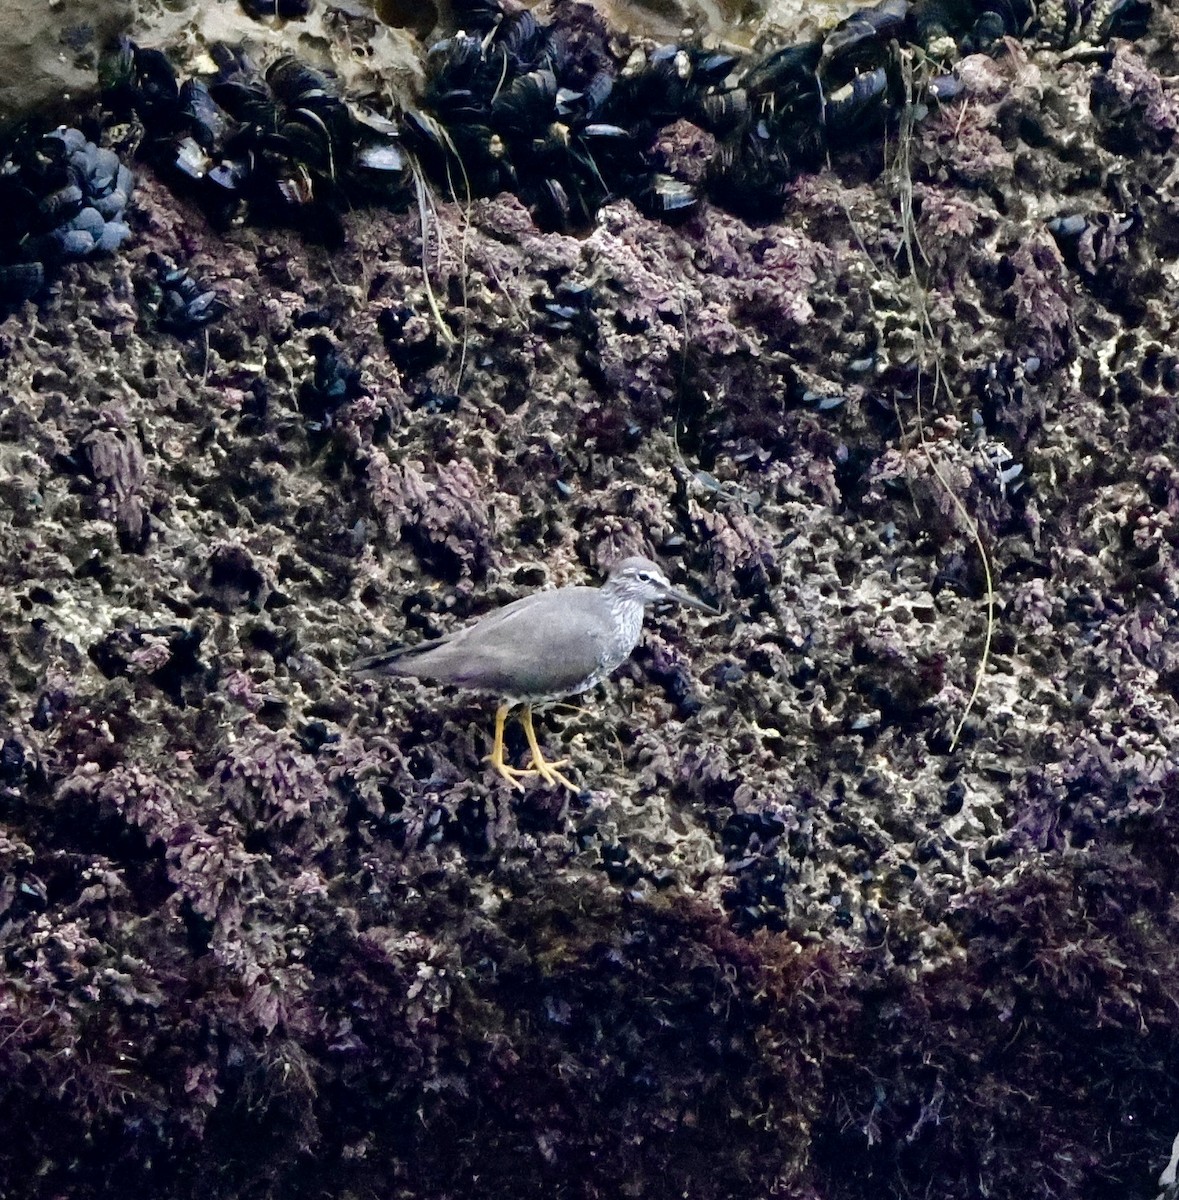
545	769
549	773
512	774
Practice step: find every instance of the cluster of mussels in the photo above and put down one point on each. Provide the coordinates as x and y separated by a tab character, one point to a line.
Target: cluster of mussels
549	112
802	101
62	198
274	145
544	110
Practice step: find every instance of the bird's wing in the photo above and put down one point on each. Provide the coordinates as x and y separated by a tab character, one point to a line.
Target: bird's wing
411	660
547	644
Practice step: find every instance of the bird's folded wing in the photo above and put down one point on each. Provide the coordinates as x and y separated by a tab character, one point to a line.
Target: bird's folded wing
547	645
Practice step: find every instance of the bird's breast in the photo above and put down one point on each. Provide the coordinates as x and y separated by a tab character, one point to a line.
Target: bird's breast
627	629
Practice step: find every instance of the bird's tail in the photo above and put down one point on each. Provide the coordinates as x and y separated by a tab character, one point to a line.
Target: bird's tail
398	661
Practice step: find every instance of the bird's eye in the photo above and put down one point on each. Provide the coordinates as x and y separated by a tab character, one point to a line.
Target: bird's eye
643	577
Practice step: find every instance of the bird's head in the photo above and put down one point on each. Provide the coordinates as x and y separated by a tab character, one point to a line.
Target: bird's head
641	581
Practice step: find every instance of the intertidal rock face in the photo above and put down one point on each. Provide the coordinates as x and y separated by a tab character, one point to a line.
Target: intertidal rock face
49	52
270	930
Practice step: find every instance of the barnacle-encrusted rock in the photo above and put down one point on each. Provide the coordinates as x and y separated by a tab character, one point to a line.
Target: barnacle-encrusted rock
48	52
806	933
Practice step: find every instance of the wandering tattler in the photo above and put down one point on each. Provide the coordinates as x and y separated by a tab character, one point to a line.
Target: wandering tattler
543	647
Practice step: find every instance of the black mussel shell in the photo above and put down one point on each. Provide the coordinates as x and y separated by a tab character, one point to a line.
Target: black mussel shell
858	105
287	10
784	68
207	122
863	34
476	16
665	196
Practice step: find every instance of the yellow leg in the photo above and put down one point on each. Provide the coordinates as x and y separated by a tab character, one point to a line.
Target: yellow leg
546	770
512	774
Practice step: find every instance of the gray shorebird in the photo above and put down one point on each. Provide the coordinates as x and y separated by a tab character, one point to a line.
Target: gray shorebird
540	648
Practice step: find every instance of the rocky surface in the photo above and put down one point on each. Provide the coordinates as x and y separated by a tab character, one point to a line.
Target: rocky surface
268	930
49	52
